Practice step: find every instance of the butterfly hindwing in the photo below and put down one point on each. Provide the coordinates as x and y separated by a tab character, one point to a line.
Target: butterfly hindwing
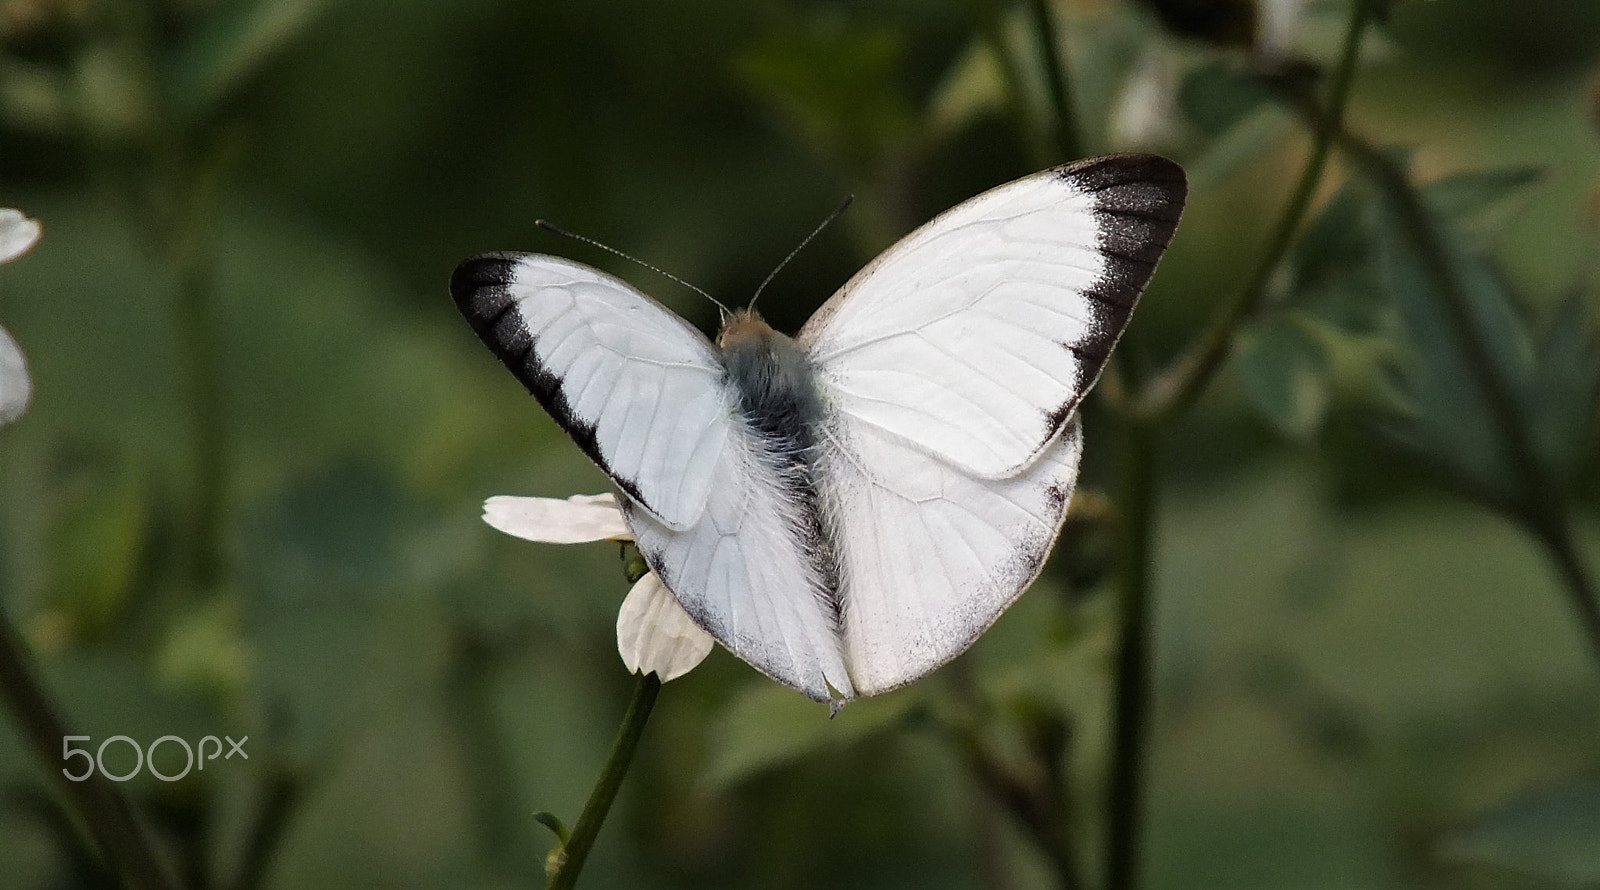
746	573
929	555
976	336
638	388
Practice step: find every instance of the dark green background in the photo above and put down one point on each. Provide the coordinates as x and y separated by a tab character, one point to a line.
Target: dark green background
1360	675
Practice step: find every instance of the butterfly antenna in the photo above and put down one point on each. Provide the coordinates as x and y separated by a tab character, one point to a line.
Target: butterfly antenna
814	233
552	227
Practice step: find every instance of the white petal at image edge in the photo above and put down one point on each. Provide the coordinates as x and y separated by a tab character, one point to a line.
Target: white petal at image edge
17	234
15	387
576	520
655	634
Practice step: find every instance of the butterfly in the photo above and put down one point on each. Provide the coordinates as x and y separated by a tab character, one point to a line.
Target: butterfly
849	509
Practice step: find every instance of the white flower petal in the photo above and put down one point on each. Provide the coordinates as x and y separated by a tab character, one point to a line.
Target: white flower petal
576	520
1278	26
655	634
15	387
1145	112
17	234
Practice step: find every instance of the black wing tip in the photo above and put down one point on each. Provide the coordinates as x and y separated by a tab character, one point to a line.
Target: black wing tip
1106	171
1138	200
1133	185
478	272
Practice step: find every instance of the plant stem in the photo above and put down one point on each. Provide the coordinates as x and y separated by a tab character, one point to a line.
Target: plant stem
1068	135
179	212
1034	793
1183	382
1131	716
1562	545
97	802
198	358
1142	418
283	791
571	856
1043	817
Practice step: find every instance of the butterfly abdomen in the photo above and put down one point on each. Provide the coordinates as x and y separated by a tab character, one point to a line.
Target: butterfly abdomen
778	399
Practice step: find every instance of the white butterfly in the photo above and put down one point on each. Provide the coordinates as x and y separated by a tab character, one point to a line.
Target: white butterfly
848	510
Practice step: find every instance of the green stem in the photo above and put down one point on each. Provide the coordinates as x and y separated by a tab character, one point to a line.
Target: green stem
1181	385
202	381
1157	404
569	859
282	794
1131	716
1068	135
1035	794
180	213
1562	545
96	801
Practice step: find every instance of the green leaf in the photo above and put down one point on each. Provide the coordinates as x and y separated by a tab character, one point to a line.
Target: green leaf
971	89
554	823
767	726
1450	420
1374	304
1551	835
1480	200
1565	400
838	87
235	41
1285	375
342	532
1217	96
98	543
324	555
205	649
1336	245
34	97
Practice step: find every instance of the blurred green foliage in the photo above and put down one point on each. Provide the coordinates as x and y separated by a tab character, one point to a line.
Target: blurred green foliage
1361	680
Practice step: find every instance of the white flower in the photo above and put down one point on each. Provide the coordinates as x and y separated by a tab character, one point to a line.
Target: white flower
1145	114
653	631
1278	27
17	235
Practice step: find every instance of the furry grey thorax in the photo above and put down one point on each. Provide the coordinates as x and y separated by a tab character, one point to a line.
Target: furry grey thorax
778	398
776	386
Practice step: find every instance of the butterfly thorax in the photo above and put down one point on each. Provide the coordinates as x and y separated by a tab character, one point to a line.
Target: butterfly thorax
774	381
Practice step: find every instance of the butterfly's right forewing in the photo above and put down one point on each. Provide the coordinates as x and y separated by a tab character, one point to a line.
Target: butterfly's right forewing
952	368
976	336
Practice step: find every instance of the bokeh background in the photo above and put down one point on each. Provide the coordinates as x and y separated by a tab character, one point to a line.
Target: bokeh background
246	497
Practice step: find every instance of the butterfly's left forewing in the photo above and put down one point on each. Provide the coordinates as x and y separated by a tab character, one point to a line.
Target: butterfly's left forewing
636	387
